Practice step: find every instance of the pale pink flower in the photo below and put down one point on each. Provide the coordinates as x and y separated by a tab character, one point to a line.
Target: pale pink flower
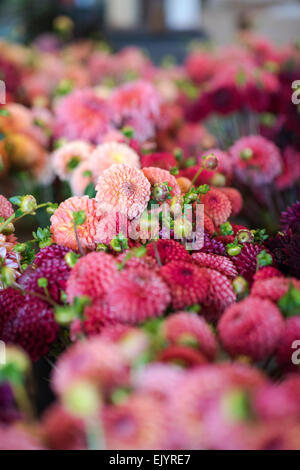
67	158
81	177
109	153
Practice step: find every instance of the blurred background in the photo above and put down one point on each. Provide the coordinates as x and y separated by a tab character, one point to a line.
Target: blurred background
160	26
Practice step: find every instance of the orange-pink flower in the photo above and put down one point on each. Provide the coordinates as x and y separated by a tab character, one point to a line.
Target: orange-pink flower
62	223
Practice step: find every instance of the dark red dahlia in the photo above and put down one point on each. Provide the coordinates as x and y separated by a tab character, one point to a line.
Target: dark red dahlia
50	252
246	261
31	326
290	219
164	160
10	74
188	284
10	300
225	99
286	250
168	250
212	245
55	270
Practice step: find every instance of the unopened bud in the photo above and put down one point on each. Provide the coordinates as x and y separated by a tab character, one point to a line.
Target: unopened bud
8	276
240	285
8	229
244	236
210	162
28	203
160	192
246	154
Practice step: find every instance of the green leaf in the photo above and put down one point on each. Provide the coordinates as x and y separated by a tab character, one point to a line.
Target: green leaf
289	304
90	190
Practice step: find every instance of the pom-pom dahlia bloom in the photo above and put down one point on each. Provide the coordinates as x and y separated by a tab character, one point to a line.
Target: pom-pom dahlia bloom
257	160
217	206
91	276
69	156
188	284
219	294
137	294
252	327
168	250
111	153
159	176
124	189
216	262
62	223
81	177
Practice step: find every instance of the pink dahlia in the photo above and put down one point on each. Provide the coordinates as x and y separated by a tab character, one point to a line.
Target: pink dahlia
217	206
274	288
124	189
135	100
14	438
158	379
138	294
187	283
69	156
189	329
31	325
158	176
111	153
94	360
6	209
62	223
82	115
168	250
216	262
257	160
91	276
252	327
246	261
81	177
219	294
139	423
235	199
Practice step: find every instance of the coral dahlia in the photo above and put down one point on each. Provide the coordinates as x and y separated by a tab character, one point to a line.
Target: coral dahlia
217	206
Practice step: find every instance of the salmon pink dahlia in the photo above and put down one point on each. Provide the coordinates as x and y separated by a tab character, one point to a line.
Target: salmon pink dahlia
137	294
257	160
189	329
110	153
252	327
82	115
124	189
217	206
91	276
62	223
235	199
187	283
69	156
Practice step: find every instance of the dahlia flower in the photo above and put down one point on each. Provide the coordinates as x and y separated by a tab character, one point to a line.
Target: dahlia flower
216	262
217	206
62	223
257	160
124	189
111	153
82	115
81	177
252	327
91	276
137	294
6	209
157	176
188	284
168	250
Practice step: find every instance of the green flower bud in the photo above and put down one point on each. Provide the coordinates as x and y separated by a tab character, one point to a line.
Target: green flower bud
234	250
240	285
8	229
42	282
244	236
246	154
210	162
71	258
28	204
